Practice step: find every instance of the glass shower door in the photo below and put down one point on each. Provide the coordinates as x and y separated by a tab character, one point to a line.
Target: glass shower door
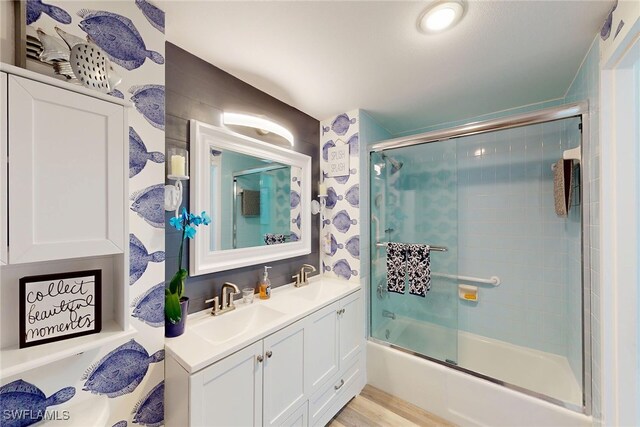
414	200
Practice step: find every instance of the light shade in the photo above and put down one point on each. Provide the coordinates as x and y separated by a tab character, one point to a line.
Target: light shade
257	123
440	15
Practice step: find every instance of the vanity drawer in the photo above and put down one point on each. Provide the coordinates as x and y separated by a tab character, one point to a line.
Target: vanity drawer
330	394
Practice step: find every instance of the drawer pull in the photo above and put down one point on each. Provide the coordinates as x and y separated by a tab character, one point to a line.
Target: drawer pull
260	358
339	386
269	354
341	311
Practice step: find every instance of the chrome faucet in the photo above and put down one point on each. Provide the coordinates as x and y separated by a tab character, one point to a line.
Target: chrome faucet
302	278
228	291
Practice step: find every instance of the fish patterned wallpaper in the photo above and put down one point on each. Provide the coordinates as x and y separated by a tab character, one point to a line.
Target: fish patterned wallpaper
341	213
129	374
296	206
622	19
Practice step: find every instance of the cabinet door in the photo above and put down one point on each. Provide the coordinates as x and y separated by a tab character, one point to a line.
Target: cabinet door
229	393
284	385
299	418
67	186
351	328
3	168
321	346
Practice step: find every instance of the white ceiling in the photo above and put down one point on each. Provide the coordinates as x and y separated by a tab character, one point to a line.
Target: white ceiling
327	57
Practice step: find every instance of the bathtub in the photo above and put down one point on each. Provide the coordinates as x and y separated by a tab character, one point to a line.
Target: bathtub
464	398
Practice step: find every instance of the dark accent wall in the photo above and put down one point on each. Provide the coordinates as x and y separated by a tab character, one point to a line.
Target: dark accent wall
198	90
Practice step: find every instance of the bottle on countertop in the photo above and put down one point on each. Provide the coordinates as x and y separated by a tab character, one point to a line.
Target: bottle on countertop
264	285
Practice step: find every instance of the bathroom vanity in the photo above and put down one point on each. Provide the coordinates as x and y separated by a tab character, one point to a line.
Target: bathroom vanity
293	360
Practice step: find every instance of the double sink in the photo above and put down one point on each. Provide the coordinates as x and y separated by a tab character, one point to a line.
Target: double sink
208	338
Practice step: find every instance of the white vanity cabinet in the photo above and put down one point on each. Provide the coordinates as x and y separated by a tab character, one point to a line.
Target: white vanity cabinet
326	399
262	384
228	393
299	375
66	173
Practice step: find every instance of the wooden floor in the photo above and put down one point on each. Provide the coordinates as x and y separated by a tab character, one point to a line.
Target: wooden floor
374	407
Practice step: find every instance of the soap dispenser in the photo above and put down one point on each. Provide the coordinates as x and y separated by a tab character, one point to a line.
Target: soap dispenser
264	285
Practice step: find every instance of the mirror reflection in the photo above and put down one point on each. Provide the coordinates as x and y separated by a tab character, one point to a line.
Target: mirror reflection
256	199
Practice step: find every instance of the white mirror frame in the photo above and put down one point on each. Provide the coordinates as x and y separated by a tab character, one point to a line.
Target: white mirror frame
202	260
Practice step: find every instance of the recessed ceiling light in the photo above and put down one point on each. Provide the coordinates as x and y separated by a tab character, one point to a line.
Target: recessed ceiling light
440	15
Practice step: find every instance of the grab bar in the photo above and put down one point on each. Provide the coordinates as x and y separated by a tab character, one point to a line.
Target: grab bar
431	248
493	280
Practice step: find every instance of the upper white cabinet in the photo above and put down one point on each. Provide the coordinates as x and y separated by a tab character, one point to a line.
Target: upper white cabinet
3	169
67	163
63	199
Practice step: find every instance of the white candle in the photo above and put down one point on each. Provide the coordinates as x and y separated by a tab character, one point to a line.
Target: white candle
178	165
322	189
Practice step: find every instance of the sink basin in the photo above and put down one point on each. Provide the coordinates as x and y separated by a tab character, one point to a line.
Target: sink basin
235	323
313	292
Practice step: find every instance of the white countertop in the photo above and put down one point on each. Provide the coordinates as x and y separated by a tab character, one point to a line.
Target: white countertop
195	352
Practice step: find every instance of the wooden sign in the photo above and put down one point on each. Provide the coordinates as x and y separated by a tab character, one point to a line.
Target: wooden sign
338	161
56	307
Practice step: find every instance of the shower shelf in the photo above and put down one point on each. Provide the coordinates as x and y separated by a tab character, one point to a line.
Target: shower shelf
431	248
493	280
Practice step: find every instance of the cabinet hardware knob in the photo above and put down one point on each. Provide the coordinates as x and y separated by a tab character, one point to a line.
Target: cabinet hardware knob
260	358
269	353
339	386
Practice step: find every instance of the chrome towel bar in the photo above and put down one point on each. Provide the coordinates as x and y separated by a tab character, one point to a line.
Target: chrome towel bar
431	248
493	280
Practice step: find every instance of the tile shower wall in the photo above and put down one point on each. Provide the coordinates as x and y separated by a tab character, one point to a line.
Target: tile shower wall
508	228
586	86
136	394
340	228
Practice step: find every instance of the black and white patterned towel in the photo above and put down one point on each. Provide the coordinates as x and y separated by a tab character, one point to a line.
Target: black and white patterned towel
419	269
396	267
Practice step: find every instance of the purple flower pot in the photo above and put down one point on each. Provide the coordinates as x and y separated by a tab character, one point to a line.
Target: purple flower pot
172	330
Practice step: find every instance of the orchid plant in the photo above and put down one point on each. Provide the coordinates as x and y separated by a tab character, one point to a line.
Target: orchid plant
187	223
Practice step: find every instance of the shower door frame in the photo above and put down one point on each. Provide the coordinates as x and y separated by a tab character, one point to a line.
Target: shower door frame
578	109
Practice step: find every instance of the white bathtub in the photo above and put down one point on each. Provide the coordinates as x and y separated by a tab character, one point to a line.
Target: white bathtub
463	398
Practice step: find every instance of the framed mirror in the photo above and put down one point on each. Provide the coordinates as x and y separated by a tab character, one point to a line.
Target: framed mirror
257	194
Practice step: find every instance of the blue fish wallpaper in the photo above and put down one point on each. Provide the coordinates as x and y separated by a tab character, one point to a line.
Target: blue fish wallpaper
149	307
139	155
35	8
342	205
118	37
126	375
149	101
139	258
20	395
150	409
148	203
120	371
154	15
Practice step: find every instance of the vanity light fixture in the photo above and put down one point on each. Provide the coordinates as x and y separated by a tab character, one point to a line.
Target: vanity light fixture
440	15
261	124
178	168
